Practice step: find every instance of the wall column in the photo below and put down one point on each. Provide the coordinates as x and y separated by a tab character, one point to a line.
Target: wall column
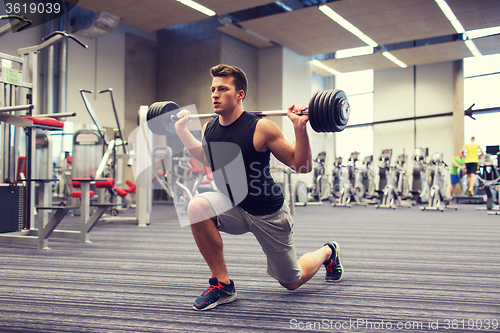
458	105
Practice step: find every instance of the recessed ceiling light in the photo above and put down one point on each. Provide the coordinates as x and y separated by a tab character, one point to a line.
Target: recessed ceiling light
324	67
347	25
354	52
198	7
395	60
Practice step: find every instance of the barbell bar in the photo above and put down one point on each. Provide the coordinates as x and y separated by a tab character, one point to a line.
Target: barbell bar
328	111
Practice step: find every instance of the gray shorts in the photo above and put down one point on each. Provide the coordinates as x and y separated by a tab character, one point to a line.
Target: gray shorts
273	232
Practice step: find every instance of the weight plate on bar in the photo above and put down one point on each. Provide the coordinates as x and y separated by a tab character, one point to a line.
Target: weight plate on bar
311	110
342	110
327	111
159	118
317	111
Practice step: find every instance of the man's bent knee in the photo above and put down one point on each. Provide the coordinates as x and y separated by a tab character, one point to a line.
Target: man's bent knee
291	286
199	209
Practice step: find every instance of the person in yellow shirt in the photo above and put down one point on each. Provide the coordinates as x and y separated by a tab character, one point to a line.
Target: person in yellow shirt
471	160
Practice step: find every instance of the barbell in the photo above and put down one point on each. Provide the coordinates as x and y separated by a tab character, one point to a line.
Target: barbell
328	111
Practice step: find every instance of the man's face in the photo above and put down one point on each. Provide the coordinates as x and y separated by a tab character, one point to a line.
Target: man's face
224	94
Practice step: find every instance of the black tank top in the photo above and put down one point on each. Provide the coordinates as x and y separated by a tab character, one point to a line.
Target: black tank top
264	195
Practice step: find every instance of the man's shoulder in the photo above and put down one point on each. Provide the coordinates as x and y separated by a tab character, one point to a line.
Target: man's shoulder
266	125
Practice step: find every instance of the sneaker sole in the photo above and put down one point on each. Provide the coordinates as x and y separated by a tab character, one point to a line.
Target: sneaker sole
338	280
225	300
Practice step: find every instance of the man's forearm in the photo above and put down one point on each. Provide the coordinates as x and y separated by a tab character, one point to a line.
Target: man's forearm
192	144
302	153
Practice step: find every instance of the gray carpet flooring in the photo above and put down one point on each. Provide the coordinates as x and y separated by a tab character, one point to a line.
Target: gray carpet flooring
404	269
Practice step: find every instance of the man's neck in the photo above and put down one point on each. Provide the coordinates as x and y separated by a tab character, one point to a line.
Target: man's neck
229	118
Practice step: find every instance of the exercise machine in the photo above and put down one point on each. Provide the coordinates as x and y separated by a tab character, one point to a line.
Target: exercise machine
418	185
337	178
351	194
388	196
321	189
439	176
369	180
489	178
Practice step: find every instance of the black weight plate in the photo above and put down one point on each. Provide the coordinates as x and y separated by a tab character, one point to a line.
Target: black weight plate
338	117
317	111
150	111
156	121
323	111
320	110
334	111
311	109
151	115
326	111
153	120
168	109
331	112
335	115
160	129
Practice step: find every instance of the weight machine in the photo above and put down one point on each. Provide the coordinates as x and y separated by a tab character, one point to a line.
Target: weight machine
19	109
17	23
108	166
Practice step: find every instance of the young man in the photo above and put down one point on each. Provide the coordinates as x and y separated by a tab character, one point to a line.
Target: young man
262	212
471	160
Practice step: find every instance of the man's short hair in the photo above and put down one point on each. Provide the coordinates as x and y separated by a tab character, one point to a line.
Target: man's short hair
239	77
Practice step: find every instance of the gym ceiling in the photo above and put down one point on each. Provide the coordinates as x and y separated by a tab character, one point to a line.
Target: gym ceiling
414	31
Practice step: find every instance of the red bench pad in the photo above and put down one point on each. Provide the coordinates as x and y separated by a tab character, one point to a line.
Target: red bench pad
78	194
46	121
105	183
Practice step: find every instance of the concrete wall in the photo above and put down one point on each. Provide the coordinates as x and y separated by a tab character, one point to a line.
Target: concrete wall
237	53
186	54
140	84
100	67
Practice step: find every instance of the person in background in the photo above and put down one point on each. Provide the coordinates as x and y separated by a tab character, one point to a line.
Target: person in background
456	172
471	160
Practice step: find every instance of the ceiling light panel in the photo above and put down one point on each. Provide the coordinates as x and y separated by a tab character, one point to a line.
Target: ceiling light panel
198	7
354	52
231	6
478	33
347	25
394	21
306	31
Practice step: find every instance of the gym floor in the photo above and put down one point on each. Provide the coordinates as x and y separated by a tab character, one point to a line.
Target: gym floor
418	271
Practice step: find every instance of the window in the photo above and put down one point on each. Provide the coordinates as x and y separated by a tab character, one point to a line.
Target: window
482	87
358	87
